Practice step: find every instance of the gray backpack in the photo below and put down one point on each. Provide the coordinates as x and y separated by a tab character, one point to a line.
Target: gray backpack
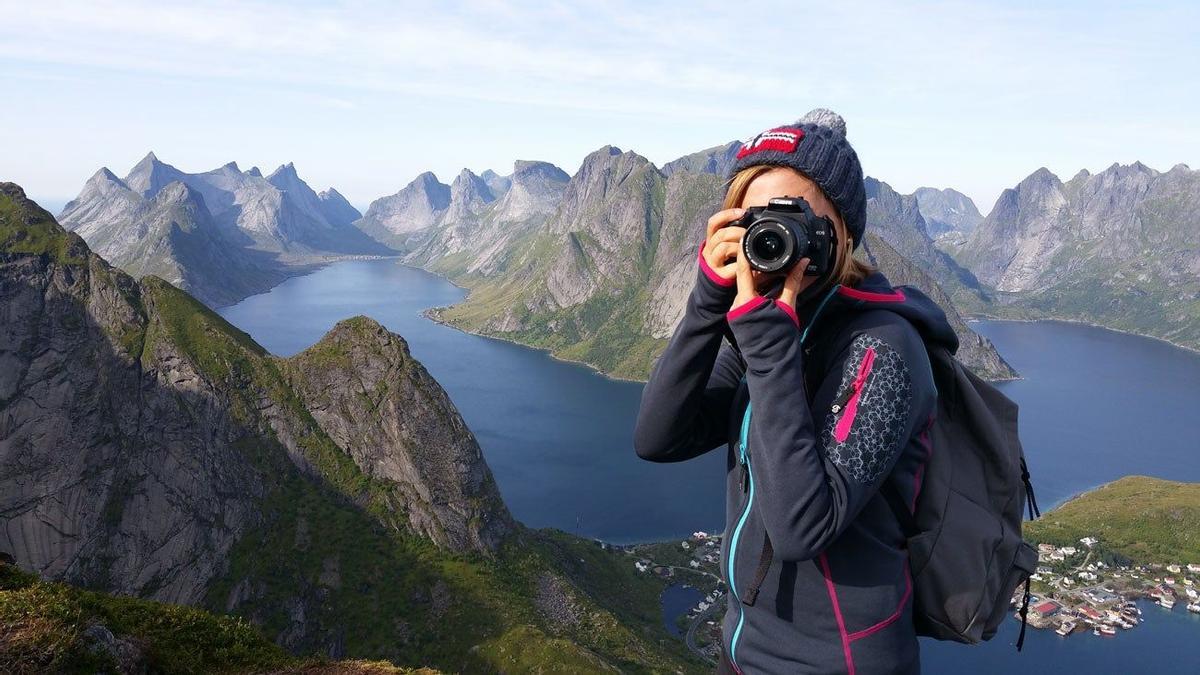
965	547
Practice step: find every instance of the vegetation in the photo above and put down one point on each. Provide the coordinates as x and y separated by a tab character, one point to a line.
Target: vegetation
52	627
27	228
1147	520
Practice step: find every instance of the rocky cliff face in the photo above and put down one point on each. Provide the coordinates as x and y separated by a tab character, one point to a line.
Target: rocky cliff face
1116	248
392	220
375	401
221	235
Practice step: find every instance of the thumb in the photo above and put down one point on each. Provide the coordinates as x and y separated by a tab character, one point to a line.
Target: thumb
794	283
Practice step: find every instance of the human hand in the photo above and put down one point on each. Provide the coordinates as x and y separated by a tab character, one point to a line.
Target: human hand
722	243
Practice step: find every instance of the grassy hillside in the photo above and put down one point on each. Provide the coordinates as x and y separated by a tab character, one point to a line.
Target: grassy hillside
53	627
1150	520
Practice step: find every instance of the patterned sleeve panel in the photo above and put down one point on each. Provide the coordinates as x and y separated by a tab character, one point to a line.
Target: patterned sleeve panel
863	429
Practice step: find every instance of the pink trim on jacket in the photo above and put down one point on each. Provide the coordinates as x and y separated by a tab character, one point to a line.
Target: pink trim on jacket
895	615
745	307
896	295
837	612
710	273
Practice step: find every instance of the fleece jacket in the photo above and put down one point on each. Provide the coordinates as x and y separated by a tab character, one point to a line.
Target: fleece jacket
818	408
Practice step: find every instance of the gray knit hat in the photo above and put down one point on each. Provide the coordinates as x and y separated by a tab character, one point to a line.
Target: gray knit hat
816	146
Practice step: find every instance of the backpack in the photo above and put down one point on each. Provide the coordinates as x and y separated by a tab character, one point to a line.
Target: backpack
965	548
966	552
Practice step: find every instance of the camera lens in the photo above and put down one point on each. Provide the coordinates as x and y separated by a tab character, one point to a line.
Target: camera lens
768	245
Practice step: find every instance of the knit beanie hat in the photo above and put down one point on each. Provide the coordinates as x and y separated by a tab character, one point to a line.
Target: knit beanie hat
816	146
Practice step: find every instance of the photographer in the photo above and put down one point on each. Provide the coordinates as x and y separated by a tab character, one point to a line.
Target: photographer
825	398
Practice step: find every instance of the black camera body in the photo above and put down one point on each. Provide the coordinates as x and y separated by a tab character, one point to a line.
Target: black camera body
780	234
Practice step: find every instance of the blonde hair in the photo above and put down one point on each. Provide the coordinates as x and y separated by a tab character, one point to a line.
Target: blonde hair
849	271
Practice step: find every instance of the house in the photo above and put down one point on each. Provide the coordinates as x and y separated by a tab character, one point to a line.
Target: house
1174	569
1193	567
1089	541
1046	609
642	565
694	563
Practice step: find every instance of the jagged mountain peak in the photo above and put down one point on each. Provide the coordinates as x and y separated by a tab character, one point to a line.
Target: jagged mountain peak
103	175
524	168
716	160
254	171
285	170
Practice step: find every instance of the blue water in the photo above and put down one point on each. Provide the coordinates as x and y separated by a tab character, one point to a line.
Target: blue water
677	599
1095	405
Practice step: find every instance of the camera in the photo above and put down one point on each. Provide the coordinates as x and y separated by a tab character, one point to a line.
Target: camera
780	234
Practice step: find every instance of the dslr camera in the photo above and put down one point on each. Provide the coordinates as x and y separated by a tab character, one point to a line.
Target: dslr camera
780	234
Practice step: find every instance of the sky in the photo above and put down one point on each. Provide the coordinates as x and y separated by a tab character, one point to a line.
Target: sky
363	96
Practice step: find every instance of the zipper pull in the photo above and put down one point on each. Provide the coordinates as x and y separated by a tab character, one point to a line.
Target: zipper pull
745	477
841	401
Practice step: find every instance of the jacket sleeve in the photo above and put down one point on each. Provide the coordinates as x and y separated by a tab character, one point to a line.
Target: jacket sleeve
684	410
814	469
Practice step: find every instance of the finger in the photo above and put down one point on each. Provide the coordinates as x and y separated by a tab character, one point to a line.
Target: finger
794	283
732	233
722	218
726	251
744	277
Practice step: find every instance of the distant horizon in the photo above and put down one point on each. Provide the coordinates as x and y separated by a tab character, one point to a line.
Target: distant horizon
366	95
58	202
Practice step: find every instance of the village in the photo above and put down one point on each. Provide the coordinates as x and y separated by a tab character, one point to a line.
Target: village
1073	589
1078	591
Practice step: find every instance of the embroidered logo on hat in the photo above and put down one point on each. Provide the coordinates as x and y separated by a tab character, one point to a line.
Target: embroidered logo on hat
779	139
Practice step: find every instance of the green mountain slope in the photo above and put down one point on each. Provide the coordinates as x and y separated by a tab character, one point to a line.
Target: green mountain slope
1149	520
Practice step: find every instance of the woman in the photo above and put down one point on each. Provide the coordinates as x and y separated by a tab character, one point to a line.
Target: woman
842	394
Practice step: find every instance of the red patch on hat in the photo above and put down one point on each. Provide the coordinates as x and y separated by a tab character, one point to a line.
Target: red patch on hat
779	139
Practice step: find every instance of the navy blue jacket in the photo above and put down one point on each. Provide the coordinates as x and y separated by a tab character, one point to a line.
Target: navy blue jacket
836	595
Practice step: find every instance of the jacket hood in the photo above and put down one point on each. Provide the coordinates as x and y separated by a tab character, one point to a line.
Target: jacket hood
876	292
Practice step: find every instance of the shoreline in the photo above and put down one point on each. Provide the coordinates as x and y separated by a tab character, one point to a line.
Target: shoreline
985	317
427	313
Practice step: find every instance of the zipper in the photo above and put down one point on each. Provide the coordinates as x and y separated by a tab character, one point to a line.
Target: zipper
748	486
850	399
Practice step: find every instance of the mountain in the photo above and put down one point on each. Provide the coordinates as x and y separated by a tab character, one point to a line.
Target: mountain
946	211
605	278
1117	248
715	160
899	221
223	235
337	209
392	220
481	239
335	499
1148	520
171	235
